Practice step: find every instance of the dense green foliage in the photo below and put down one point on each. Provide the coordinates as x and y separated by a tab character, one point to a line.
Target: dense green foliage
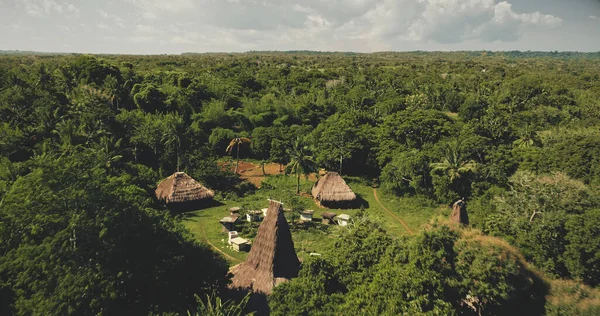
84	139
437	272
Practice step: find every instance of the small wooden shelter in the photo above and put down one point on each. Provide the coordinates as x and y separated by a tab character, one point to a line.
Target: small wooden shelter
307	215
235	211
254	216
240	244
332	190
272	259
228	223
459	212
181	192
343	219
328	218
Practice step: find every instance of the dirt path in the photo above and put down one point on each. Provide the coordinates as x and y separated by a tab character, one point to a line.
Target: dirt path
215	248
391	213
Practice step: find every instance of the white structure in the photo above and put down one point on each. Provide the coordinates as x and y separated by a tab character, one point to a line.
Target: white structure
232	235
264	211
306	216
343	219
240	244
254	216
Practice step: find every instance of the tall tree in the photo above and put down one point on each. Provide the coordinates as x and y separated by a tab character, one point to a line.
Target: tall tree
454	163
301	163
237	143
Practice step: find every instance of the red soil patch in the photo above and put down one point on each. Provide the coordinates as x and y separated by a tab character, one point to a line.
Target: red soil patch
253	172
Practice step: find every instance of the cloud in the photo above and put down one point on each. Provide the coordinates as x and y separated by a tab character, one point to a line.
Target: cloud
451	21
593	17
378	22
141	39
181	40
112	18
152	9
40	8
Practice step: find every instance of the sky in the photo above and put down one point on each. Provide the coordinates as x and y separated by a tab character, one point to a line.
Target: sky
177	26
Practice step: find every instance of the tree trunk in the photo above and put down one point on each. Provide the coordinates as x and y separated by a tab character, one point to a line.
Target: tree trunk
341	160
263	168
178	159
238	159
298	185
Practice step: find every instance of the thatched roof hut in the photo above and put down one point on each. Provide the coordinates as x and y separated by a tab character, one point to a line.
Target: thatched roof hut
331	188
272	259
180	188
459	212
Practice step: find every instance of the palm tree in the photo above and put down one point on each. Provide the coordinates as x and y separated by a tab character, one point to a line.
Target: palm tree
112	90
43	77
64	79
172	135
526	139
300	163
237	142
454	163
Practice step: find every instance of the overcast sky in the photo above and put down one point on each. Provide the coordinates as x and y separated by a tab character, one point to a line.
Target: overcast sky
176	26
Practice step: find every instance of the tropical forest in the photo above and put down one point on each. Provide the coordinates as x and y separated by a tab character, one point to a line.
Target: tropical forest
300	183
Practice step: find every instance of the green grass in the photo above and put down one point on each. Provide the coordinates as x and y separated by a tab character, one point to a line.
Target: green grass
311	237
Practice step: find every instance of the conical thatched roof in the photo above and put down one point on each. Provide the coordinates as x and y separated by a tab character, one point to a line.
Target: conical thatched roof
459	212
181	188
272	259
332	188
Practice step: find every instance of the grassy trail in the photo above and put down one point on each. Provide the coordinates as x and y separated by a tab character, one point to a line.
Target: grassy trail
392	214
217	249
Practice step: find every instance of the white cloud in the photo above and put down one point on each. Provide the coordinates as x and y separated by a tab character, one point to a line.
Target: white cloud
356	25
451	21
181	40
141	39
151	9
112	18
145	28
103	26
39	8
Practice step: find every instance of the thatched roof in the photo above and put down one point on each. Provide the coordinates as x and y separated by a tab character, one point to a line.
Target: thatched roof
332	188
181	188
228	219
272	259
459	212
328	215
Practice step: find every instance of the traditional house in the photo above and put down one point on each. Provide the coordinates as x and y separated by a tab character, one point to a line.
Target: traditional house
328	218
343	219
272	259
306	216
331	190
254	216
232	234
459	212
235	211
181	192
240	244
228	223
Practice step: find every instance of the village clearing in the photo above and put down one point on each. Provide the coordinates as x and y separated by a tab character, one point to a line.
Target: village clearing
398	215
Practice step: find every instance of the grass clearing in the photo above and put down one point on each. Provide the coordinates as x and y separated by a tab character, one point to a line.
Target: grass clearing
310	237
